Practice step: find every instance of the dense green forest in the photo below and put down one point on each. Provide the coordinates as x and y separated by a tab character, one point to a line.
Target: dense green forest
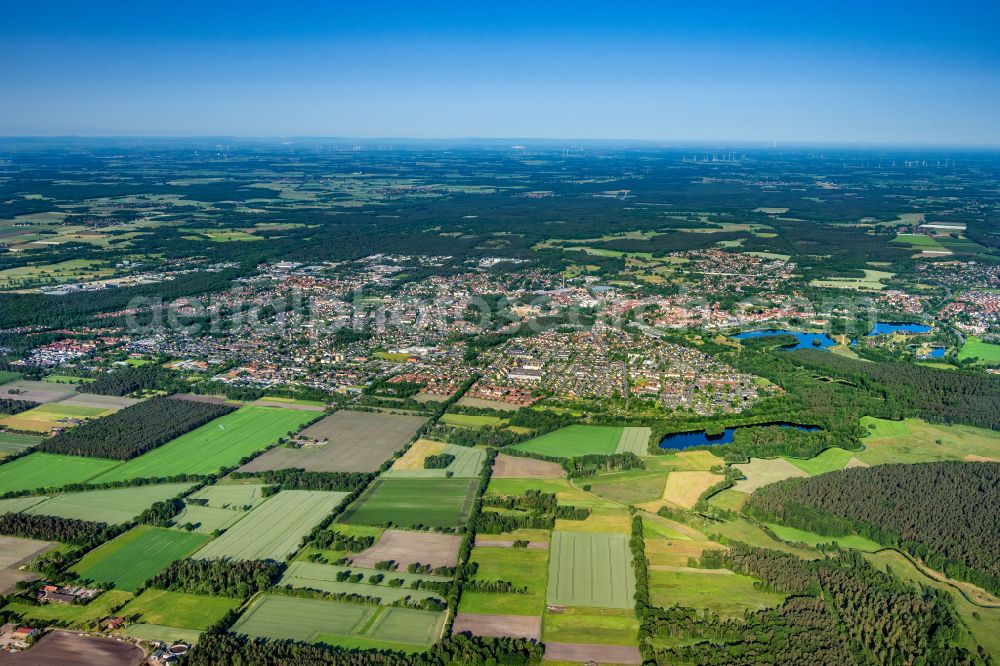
136	429
946	513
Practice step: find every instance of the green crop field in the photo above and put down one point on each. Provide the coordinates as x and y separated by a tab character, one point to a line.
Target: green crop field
221	443
178	609
984	351
467	465
524	567
634	440
48	470
207	519
114	506
792	535
12	442
726	595
324	577
274	529
601	626
574	440
7	376
590	569
470	421
915	441
136	556
68	379
335	623
412	502
224	495
827	461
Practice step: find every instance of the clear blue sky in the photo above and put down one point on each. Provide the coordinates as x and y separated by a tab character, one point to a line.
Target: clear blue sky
804	71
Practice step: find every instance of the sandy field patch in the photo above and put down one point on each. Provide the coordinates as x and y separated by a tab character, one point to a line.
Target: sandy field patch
760	472
406	548
515	626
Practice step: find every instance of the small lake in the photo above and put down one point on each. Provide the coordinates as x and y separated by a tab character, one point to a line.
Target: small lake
685	440
805	340
885	328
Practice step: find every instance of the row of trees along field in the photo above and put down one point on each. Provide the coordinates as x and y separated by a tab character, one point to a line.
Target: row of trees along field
946	513
136	429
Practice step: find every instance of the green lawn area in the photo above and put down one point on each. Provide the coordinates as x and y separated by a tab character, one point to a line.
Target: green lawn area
574	440
136	556
7	376
49	470
178	609
413	502
602	626
112	506
984	351
220	443
470	421
70	614
828	460
792	535
915	441
12	442
524	567
726	595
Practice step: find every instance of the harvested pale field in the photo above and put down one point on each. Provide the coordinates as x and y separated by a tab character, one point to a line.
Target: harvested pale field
415	455
406	548
488	404
15	552
482	542
760	472
682	489
23	389
971	458
515	467
69	648
515	626
355	442
100	401
677	553
588	653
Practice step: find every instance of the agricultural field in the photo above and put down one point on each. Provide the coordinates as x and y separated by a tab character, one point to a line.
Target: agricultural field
515	467
574	440
112	506
42	392
471	421
629	486
634	440
178	609
12	442
974	347
760	472
45	418
683	488
591	626
405	548
136	556
161	632
68	379
355	442
873	280
324	577
524	567
590	569
413	502
335	623
727	594
227	495
14	552
914	440
829	460
274	529
225	503
48	470
220	443
467	464
7	376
